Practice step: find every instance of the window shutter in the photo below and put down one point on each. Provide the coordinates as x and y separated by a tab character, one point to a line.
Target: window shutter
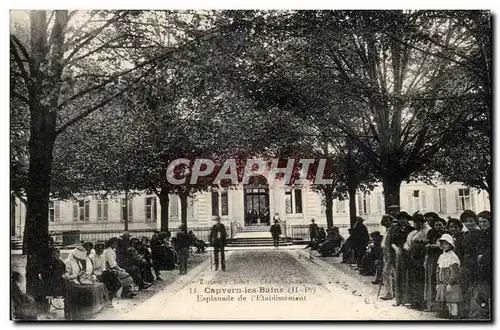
146	215
423	201
56	211
444	206
337	206
130	211
87	210
153	209
379	203
174	206
410	202
75	211
472	195
457	201
99	210
105	210
360	204
368	202
435	200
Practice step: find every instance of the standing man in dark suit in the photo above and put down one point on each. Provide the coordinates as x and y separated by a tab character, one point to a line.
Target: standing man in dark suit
182	246
218	237
276	233
313	231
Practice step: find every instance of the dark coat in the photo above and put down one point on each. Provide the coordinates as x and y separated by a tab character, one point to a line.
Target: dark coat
182	240
313	230
275	230
399	236
359	235
218	235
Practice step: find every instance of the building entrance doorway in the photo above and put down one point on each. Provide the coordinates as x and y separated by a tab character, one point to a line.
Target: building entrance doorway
256	202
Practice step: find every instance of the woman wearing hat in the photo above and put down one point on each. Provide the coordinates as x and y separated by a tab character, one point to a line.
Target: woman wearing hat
480	301
401	265
84	295
415	250
448	274
469	246
432	253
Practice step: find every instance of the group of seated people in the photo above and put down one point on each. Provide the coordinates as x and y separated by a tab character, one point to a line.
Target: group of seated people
327	243
93	274
431	264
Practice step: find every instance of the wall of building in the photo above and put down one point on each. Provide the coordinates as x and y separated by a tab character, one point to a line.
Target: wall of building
443	199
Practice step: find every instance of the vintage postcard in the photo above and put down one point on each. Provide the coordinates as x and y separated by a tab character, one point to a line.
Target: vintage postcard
251	165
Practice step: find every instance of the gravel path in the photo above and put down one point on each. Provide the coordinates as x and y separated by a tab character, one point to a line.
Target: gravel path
268	285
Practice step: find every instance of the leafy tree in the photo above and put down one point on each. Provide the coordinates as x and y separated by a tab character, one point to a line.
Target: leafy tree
397	96
70	64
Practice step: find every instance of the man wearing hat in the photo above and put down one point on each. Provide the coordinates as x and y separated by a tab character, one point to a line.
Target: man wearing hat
414	248
276	233
121	249
217	238
388	257
398	240
360	239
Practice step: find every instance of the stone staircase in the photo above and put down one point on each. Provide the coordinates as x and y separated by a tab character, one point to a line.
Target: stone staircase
256	235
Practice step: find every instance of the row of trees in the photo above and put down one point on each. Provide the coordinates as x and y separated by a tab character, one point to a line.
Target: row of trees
102	101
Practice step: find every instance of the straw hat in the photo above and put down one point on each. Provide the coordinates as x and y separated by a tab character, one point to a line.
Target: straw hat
447	238
80	253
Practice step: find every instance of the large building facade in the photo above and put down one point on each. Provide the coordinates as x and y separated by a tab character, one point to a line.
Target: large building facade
247	205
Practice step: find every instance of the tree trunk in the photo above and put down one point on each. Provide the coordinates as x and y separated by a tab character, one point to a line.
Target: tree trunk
352	205
392	187
329	208
12	215
37	209
164	203
184	204
125	210
351	186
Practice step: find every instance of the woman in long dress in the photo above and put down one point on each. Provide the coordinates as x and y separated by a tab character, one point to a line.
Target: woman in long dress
480	302
415	250
111	265
103	275
469	251
84	296
433	251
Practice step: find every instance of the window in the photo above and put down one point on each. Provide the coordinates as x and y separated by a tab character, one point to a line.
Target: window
224	203
440	201
464	199
340	206
54	211
363	204
380	203
417	201
220	203
150	209
102	210
124	210
293	201
174	206
288	202
81	210
215	203
298	201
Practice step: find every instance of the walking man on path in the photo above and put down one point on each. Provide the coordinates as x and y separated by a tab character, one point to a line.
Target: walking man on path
313	231
217	238
182	247
276	233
